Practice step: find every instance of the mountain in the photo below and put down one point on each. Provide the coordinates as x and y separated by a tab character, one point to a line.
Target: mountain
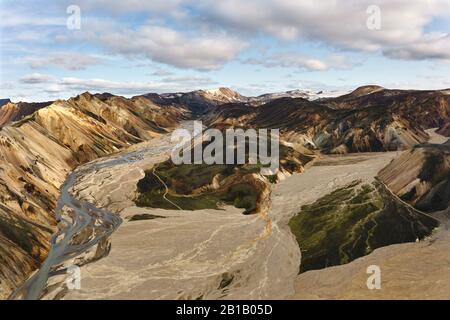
198	102
305	94
41	143
344	101
222	95
444	129
353	221
421	177
36	154
369	119
201	102
10	112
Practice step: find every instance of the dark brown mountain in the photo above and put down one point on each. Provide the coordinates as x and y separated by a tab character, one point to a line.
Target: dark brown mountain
11	112
380	120
198	102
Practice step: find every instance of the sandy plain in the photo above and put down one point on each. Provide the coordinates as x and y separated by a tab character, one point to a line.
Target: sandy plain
223	254
206	254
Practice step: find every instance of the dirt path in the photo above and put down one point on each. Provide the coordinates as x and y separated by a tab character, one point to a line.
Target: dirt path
167	189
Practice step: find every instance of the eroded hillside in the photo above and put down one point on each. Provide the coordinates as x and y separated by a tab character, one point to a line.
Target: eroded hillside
10	112
38	152
363	121
421	177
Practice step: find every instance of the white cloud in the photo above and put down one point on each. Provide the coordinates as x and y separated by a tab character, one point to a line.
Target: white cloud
298	61
168	46
100	85
120	6
189	80
341	23
9	18
73	85
36	78
435	46
66	60
161	73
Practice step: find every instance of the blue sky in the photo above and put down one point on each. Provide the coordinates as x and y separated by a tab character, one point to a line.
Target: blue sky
253	46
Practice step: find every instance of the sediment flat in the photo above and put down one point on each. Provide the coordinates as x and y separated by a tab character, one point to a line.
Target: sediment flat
206	254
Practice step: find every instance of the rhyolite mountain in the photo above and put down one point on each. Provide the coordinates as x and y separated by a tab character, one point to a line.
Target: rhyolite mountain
10	112
368	119
36	154
40	143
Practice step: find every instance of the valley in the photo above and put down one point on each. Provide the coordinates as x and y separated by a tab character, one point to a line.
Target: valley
212	157
239	234
233	257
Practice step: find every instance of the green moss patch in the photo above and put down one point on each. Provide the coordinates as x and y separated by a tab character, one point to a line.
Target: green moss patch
353	221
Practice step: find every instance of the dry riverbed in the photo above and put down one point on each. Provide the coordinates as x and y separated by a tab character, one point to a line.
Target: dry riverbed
217	254
209	254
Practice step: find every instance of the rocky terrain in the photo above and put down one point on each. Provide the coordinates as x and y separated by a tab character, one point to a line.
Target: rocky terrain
416	181
10	112
40	144
38	152
421	177
368	119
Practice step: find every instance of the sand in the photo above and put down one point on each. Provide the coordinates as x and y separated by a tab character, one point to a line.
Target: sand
223	254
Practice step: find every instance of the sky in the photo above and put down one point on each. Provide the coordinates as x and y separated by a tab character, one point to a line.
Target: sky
55	49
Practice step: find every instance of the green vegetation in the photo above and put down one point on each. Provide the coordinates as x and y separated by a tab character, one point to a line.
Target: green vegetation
242	196
189	185
353	221
182	180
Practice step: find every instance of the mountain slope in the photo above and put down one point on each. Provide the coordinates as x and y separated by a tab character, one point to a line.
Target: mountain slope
421	177
198	102
15	111
380	120
37	153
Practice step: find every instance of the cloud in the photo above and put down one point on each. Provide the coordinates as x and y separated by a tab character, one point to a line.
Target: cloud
161	73
36	78
120	6
171	47
433	46
73	85
100	85
12	19
190	80
67	60
339	23
298	61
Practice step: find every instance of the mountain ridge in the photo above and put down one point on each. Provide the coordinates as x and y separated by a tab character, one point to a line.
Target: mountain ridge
38	151
39	147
